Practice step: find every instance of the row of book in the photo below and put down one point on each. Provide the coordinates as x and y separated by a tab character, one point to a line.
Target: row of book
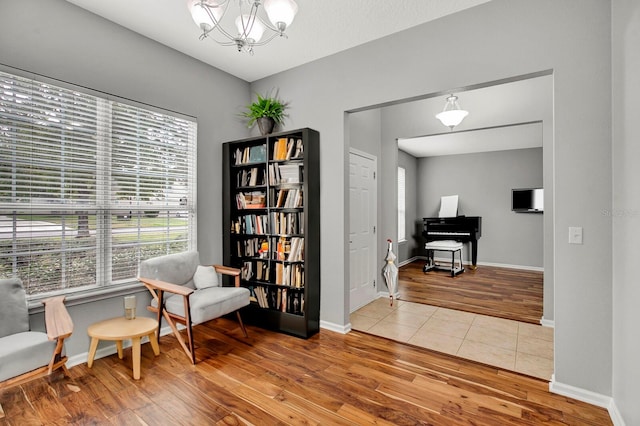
251	224
280	198
253	247
281	299
289	275
286	197
251	200
282	149
273	223
286	223
250	177
287	149
289	249
250	154
285	173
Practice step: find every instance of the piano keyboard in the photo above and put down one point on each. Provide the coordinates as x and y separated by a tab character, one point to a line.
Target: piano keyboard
449	233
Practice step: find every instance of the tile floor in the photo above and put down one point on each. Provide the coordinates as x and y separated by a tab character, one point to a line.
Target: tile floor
516	346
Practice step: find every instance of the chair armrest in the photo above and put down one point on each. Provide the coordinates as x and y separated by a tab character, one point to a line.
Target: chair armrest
56	317
165	286
228	270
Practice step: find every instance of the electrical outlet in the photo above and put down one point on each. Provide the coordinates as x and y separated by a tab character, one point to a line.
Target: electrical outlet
575	235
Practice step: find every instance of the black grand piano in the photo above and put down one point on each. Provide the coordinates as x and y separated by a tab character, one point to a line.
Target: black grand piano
460	228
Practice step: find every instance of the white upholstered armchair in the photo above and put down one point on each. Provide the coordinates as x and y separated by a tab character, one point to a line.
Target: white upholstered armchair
194	293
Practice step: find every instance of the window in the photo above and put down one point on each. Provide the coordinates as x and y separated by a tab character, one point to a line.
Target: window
89	187
401	205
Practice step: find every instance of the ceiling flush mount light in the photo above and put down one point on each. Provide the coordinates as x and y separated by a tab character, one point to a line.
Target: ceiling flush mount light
452	115
249	26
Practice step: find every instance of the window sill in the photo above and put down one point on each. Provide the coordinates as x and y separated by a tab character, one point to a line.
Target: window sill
86	296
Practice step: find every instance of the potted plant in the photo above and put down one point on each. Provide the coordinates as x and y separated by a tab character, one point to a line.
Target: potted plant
267	111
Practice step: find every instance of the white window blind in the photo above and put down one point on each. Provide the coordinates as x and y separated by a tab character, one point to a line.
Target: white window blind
89	186
401	205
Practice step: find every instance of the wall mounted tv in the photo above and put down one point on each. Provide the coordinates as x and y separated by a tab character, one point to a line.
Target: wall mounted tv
527	200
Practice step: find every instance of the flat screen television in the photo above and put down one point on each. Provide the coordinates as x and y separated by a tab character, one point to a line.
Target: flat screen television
527	200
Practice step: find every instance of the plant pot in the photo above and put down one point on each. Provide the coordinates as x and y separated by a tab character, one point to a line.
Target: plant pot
265	124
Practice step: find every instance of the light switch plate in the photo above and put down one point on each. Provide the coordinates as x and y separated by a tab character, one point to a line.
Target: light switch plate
575	235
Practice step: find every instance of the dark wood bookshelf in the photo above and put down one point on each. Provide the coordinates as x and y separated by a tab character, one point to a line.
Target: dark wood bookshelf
271	227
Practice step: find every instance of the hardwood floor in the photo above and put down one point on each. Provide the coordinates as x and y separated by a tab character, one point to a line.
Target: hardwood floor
270	378
500	292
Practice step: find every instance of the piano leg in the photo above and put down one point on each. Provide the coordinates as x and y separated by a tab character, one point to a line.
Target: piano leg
430	263
474	254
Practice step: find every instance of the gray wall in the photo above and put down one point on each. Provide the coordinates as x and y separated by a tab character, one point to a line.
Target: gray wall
499	39
59	40
483	182
626	208
413	222
364	131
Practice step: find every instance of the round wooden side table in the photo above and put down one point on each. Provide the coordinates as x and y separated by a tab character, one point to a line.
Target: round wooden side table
120	329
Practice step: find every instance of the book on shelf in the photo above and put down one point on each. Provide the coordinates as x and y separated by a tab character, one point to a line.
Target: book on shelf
258	154
283	303
250	154
282	195
274	174
253	176
250	177
281	299
237	156
280	149
252	294
296	251
299	149
294	198
289	173
251	200
286	223
246	272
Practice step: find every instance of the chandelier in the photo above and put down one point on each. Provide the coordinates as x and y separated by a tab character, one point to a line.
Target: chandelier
452	115
249	26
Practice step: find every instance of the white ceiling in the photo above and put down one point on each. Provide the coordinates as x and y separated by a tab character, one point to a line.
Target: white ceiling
501	117
321	28
519	136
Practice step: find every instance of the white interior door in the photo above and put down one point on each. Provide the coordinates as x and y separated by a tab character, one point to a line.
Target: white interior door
362	226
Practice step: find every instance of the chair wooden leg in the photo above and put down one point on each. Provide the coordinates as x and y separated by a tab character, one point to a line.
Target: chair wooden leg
160	309
192	348
187	350
244	330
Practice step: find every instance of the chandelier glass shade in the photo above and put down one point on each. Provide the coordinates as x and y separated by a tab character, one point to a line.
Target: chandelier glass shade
452	115
250	27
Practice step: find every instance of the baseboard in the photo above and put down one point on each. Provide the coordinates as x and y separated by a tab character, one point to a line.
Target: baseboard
506	265
467	263
547	323
589	397
616	417
580	394
342	329
110	349
413	259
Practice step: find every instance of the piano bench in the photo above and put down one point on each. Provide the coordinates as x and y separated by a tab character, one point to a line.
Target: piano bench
446	245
